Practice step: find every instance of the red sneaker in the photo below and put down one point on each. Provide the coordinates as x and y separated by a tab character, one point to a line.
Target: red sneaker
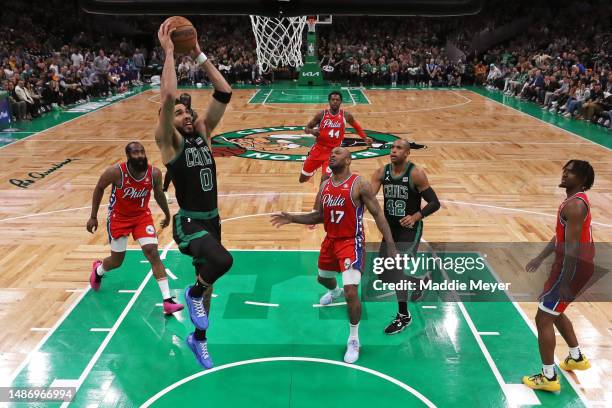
170	306
94	280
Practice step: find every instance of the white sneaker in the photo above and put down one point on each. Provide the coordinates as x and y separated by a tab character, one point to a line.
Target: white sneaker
352	351
330	296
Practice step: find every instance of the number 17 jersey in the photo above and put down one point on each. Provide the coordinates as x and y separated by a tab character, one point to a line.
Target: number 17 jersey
341	217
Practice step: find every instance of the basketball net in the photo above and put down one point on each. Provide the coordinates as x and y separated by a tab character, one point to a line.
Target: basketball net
279	41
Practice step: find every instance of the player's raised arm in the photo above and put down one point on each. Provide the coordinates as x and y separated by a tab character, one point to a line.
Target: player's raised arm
355	125
110	175
221	95
376	180
368	198
164	134
160	197
310	126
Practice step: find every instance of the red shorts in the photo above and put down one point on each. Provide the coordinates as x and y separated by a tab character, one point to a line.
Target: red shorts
317	157
550	299
341	254
139	227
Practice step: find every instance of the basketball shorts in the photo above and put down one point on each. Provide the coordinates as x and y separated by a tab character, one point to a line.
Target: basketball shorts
317	157
188	226
550	299
407	242
345	255
141	228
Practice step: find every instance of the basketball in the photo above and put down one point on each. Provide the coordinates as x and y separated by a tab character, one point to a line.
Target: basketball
185	35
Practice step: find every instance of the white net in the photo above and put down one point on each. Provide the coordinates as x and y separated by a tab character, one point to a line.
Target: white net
279	41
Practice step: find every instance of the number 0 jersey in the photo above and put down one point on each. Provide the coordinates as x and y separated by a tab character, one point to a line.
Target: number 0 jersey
131	198
401	196
341	217
194	175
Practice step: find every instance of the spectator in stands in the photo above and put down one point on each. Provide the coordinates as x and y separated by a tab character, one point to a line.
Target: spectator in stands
102	65
23	94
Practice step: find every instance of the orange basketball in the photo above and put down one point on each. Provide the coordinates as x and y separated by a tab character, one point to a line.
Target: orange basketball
185	35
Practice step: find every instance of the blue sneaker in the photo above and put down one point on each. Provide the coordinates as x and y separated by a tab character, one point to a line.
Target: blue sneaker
197	313
200	349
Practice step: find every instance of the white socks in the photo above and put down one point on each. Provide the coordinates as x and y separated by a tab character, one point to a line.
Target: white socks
574	352
354	331
548	371
165	289
100	270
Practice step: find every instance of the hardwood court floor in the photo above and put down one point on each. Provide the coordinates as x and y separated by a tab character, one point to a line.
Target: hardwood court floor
495	169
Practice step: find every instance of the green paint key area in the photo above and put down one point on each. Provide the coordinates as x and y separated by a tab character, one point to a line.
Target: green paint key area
273	348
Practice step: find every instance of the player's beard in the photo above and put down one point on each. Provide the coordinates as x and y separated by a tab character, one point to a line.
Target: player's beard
138	164
187	135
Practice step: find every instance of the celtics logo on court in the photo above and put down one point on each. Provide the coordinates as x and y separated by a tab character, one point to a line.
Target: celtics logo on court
291	143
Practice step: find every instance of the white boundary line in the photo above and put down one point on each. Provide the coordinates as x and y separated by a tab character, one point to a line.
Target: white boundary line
251	98
8	381
363	92
521	312
263	103
114	103
386	377
329	305
538	119
248	302
481	345
113	329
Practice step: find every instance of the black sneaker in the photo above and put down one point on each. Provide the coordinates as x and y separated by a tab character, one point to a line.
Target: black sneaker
418	293
399	324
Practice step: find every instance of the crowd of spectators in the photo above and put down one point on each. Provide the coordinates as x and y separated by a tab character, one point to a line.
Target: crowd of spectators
562	62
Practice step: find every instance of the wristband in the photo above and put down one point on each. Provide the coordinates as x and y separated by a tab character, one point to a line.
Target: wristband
201	59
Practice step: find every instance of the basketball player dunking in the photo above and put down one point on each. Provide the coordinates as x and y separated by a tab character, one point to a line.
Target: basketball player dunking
404	185
341	199
328	128
185	148
572	268
128	213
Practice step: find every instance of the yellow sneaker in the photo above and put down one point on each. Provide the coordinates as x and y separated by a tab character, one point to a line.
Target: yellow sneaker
569	364
540	382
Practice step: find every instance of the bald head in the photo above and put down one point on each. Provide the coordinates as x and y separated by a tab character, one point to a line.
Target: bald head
339	159
400	150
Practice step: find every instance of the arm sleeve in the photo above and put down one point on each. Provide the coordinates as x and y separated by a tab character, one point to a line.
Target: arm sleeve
433	204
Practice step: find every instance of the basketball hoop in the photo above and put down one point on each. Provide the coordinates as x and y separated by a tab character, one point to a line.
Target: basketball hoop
279	41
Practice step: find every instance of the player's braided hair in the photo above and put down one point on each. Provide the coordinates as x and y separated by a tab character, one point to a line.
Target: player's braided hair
584	170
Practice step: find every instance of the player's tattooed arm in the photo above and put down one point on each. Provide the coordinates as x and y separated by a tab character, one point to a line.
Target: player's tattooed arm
160	197
368	198
315	217
310	126
110	175
377	179
164	134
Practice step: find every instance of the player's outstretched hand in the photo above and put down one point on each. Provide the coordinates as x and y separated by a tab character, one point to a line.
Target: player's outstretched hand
281	219
92	224
533	265
165	222
165	39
